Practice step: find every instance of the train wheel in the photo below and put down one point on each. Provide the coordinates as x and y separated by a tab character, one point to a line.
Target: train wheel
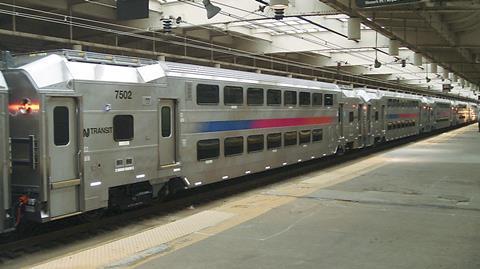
340	151
164	193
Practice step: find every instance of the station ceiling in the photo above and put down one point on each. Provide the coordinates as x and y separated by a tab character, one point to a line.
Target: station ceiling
310	42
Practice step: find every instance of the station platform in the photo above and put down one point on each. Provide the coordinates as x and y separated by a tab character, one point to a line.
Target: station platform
415	206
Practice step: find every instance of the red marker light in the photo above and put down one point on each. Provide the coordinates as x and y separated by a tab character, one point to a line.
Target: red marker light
24	107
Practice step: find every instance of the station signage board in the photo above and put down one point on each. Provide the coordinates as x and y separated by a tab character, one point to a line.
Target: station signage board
381	3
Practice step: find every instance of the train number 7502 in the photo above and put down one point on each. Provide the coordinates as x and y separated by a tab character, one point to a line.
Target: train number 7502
123	94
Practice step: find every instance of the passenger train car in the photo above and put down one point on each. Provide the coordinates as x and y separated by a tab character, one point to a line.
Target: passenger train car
5	213
95	131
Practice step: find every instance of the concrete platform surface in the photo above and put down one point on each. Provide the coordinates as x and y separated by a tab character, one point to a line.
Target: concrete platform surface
417	206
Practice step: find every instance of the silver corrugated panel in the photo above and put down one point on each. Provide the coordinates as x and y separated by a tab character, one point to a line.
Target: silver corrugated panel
188	70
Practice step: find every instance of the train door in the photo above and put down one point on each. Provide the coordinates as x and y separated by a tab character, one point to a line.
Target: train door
340	119
166	134
64	155
361	131
420	118
369	123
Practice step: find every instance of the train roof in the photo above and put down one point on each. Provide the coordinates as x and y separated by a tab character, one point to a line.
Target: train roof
173	69
49	69
368	94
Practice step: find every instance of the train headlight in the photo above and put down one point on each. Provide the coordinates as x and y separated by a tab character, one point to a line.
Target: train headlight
26	106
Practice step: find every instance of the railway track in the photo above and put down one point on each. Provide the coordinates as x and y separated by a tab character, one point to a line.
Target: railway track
50	235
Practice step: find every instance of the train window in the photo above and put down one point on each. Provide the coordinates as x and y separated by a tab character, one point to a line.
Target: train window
304	98
233	145
377	115
317	99
123	128
61	132
317	135
207	94
290	138
290	98
208	149
274	97
166	121
274	141
328	99
351	116
254	96
304	136
232	95
255	143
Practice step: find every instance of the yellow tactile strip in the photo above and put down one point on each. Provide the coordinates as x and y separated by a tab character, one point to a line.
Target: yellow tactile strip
111	252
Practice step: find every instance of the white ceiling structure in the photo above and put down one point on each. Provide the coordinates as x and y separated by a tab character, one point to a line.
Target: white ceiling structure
311	41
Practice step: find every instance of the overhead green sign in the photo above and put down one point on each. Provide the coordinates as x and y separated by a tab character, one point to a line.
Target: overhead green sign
378	3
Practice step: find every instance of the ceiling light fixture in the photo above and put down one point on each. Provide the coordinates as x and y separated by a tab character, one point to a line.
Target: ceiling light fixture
279	7
211	9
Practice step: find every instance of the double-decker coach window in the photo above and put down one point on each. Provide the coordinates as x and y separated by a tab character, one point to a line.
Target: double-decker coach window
61	133
254	96
328	99
255	143
123	128
274	141
351	116
233	145
274	97
290	138
232	95
317	99
208	149
317	135
290	98
304	98
304	136
207	94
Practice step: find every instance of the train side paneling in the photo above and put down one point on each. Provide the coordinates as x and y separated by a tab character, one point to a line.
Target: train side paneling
443	113
230	129
123	140
5	214
402	117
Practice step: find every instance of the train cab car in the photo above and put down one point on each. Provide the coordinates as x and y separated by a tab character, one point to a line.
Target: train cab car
92	131
6	215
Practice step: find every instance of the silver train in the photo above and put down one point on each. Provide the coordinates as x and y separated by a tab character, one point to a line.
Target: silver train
90	131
